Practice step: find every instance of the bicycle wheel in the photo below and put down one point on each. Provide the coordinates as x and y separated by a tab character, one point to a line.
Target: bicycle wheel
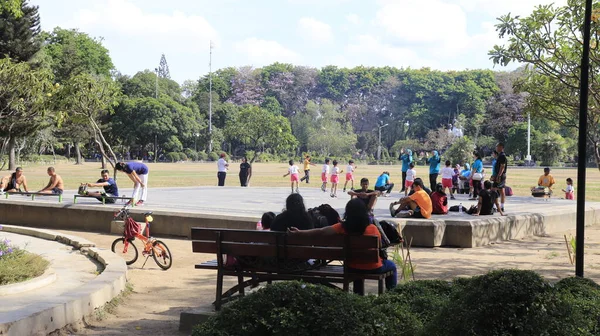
162	255
126	251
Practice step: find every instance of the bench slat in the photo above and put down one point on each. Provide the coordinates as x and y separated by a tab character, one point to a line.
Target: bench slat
326	271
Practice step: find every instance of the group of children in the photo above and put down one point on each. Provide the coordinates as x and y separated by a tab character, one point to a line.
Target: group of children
294	172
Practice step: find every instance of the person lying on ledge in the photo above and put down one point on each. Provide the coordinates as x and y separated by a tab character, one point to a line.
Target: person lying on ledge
356	221
419	203
487	199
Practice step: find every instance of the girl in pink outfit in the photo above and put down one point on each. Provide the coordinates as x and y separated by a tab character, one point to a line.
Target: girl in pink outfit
570	191
335	178
324	174
349	175
294	174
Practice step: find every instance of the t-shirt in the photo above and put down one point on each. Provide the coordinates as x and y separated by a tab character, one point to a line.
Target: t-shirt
294	169
221	165
447	173
366	200
546	181
325	169
423	201
306	164
439	203
477	166
570	188
335	171
244	166
382	180
501	160
411	174
371	230
137	167
488	198
349	168
111	188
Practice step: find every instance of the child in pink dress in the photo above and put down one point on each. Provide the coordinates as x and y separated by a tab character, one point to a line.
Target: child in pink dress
324	175
349	175
294	174
335	178
570	191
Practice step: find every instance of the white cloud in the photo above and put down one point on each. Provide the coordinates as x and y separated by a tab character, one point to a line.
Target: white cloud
261	52
496	8
354	19
314	30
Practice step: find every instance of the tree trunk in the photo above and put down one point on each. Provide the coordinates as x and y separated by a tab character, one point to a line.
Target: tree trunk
20	147
102	145
103	162
597	153
12	144
53	153
68	154
78	160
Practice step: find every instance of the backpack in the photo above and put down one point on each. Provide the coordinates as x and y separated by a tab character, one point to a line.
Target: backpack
82	190
333	217
391	231
508	191
455	208
439	203
472	210
317	218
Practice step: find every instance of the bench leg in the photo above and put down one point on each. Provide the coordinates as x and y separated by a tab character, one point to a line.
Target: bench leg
380	286
219	290
241	284
346	285
74	199
60	198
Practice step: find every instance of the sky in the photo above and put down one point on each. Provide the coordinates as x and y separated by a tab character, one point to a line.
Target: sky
440	34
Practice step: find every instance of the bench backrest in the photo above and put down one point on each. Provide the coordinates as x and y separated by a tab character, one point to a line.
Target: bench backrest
351	248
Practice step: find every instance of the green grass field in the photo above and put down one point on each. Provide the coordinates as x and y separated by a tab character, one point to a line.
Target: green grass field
270	175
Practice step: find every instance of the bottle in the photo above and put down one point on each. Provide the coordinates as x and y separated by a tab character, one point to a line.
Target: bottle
460	208
259	226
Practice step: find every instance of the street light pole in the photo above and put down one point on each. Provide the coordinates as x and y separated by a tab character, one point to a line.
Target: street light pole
210	98
528	157
379	147
156	84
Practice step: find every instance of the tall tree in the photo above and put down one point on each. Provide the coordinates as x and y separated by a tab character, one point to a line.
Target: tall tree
18	33
12	7
550	42
163	68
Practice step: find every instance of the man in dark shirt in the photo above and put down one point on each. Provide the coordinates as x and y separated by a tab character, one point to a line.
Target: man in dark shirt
365	194
487	199
109	185
499	178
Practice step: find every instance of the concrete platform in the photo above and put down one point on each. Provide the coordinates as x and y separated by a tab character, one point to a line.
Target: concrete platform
177	210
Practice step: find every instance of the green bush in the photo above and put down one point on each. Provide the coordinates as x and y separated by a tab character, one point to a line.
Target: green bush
172	156
191	154
202	156
425	297
212	156
574	308
182	157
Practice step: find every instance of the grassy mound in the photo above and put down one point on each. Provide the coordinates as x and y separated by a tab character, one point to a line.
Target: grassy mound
17	265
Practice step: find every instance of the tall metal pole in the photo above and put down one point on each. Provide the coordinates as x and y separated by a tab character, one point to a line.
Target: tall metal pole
582	159
210	99
156	84
379	146
528	158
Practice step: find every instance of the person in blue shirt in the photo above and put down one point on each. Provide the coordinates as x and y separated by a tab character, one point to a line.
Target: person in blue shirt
138	173
476	175
383	183
108	184
406	158
434	168
465	178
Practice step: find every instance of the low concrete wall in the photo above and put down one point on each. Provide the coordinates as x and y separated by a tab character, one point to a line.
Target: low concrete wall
98	219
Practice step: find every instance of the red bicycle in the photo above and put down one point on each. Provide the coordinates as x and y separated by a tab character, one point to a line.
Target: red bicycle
125	247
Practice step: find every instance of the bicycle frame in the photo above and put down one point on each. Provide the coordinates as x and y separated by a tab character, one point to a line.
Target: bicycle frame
144	236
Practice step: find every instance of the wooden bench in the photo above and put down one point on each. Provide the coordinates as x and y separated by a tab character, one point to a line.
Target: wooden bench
104	198
32	194
282	256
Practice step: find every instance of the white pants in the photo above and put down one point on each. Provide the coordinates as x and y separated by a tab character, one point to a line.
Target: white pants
136	188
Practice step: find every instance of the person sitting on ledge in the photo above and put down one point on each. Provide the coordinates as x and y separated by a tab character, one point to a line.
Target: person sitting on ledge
356	221
55	184
419	203
14	181
109	185
545	181
368	196
487	199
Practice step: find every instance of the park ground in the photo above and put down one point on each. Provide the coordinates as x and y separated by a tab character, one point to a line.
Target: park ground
270	175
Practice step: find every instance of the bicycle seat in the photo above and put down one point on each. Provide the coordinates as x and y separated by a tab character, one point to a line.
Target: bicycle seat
146	214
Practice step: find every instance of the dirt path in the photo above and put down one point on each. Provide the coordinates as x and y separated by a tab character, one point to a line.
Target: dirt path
160	296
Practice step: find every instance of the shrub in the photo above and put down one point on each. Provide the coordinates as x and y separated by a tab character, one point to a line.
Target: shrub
17	265
202	156
425	297
212	156
172	156
182	157
191	154
574	307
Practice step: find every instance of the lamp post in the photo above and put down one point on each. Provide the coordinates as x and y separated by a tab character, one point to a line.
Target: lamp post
156	84
407	124
210	98
196	135
528	157
379	147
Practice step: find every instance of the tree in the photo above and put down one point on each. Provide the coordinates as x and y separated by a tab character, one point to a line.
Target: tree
24	95
12	7
550	148
550	42
18	33
461	151
330	133
163	68
258	128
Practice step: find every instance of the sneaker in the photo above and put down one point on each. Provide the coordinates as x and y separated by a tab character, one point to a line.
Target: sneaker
344	190
331	195
386	195
139	203
129	202
297	191
502	209
452	197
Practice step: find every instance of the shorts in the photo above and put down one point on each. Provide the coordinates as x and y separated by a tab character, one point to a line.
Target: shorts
417	213
57	191
294	178
447	183
500	182
349	177
335	178
107	200
408	183
324	177
570	195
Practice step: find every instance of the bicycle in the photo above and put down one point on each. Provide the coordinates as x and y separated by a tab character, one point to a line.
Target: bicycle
125	247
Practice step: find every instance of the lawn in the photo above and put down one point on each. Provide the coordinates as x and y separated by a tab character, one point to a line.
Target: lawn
270	175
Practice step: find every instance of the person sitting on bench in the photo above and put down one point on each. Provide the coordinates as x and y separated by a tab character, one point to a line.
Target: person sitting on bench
356	221
109	185
14	181
55	185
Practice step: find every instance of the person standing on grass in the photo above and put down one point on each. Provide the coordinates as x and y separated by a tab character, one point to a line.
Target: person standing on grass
411	175
335	178
55	185
293	172
499	179
245	172
383	184
325	175
406	158
350	175
434	168
447	175
307	165
138	173
108	184
222	166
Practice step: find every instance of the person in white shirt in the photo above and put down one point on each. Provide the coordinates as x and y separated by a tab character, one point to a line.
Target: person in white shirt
222	170
293	172
324	175
349	175
335	178
411	175
447	174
